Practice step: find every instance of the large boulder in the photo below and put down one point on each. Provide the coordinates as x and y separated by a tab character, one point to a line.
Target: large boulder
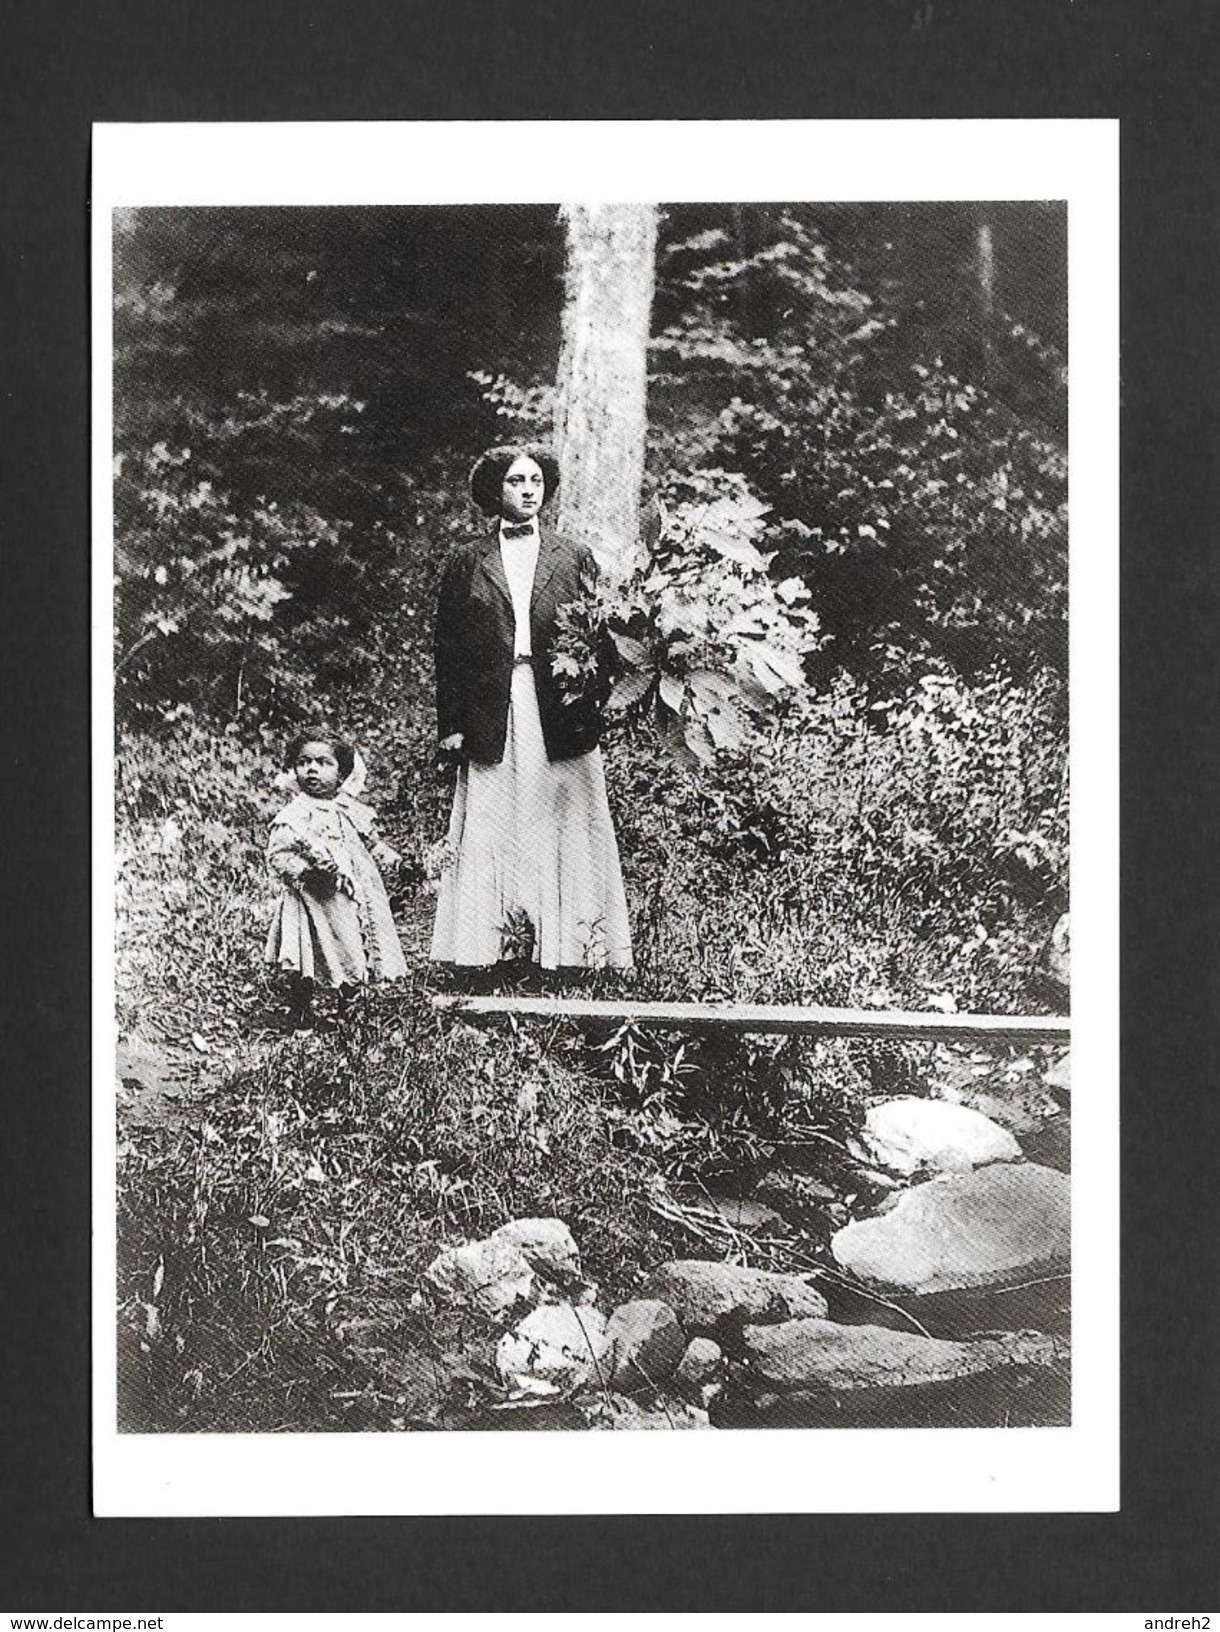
492	1278
713	1299
645	1343
821	1354
557	1348
817	1373
912	1135
546	1243
997	1225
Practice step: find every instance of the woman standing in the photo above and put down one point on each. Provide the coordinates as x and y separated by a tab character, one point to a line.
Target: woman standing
532	870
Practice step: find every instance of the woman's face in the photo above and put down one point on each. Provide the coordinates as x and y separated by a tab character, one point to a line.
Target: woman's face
523	491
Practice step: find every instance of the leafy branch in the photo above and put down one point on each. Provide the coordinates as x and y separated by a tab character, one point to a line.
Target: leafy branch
700	636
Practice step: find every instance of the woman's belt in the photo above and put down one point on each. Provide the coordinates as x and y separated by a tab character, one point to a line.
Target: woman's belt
520	658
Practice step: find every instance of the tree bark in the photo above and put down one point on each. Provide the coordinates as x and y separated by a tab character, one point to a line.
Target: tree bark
986	276
601	410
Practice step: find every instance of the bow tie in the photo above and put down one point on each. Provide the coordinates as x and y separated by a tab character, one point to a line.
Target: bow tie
524	529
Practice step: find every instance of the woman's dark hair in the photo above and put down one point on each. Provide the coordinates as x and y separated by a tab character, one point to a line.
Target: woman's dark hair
345	754
490	469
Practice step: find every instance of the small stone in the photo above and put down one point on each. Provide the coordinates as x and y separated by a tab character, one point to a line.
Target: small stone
998	1224
796	1195
645	1343
1057	955
546	1243
911	1135
700	1364
742	1213
557	1346
1059	1075
711	1298
492	1278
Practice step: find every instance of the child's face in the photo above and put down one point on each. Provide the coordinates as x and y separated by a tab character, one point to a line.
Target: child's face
317	770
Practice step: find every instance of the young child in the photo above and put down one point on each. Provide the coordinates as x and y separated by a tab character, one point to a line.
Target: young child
333	924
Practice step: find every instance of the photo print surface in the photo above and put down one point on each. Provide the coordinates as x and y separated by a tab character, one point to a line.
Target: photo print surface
592	819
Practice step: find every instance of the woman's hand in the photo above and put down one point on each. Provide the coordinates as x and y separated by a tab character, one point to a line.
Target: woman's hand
452	744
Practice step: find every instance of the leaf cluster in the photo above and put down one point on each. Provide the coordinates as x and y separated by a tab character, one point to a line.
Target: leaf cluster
705	642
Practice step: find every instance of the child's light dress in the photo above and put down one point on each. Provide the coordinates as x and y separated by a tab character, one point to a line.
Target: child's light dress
345	937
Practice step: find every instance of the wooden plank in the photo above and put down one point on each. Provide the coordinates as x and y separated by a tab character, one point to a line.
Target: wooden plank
800	1020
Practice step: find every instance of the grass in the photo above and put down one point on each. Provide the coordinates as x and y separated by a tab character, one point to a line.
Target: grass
322	1180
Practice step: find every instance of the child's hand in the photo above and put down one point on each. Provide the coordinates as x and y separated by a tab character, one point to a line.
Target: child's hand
437	859
452	744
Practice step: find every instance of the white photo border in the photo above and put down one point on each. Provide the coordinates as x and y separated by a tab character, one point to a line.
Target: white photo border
1065	1469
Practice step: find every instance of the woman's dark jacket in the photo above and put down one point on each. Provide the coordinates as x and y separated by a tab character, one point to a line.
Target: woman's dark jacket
474	648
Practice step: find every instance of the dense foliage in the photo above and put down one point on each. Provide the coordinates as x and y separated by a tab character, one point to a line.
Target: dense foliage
925	507
297	389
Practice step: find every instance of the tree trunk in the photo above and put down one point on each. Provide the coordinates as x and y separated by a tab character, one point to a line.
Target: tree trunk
986	276
600	416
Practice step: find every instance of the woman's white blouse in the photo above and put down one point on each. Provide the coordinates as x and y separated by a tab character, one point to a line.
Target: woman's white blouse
520	558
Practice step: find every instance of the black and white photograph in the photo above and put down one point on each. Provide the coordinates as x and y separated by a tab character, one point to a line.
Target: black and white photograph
593	726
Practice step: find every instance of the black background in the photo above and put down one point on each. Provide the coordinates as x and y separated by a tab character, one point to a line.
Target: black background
1156	66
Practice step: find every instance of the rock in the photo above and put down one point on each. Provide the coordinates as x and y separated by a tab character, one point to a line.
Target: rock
556	1348
910	1135
619	1413
999	1223
1020	1107
546	1243
741	1213
1051	1145
493	1278
1019	1103
645	1343
783	1184
1059	1075
700	1364
1057	955
712	1299
1043	1303
797	1196
821	1354
817	1373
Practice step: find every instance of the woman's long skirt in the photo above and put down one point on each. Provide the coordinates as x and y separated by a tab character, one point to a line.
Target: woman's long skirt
533	869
